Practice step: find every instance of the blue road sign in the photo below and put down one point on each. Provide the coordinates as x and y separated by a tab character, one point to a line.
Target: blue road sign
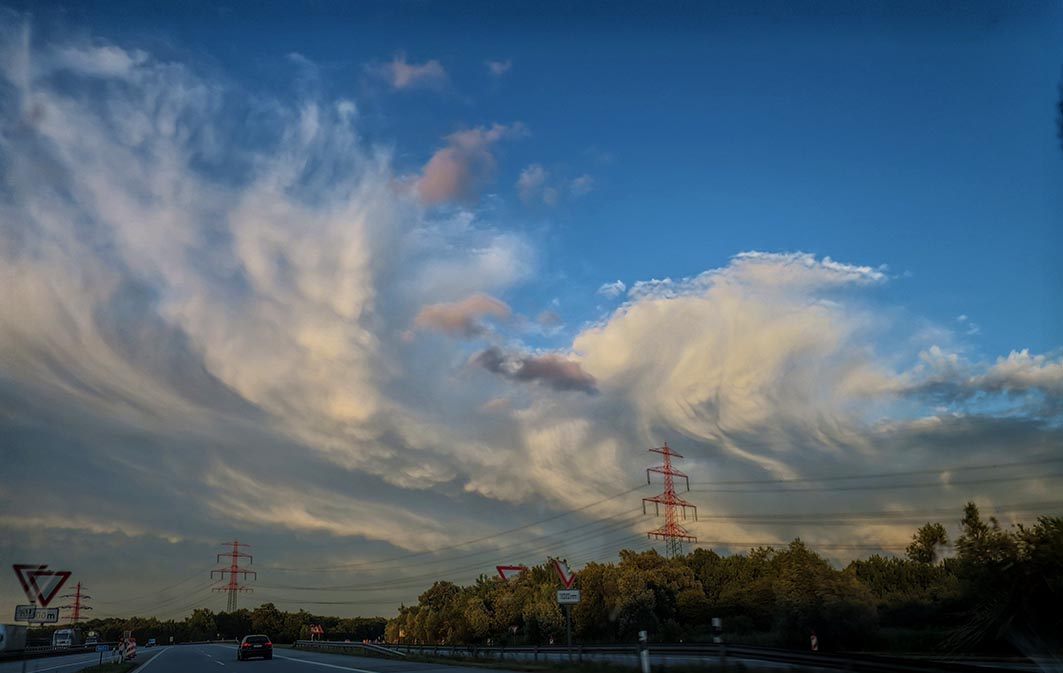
103	648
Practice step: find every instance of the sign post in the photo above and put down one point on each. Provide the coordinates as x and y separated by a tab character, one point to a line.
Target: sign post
568	598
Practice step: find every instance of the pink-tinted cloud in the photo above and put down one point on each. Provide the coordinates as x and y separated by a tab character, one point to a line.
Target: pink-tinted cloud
459	170
461	318
400	74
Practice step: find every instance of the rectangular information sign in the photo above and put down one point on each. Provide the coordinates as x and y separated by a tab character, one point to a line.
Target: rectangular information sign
103	648
24	613
46	615
568	596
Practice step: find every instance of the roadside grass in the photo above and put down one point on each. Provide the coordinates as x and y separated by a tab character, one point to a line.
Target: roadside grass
121	667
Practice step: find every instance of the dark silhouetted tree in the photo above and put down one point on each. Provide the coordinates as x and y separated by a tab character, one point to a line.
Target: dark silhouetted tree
925	542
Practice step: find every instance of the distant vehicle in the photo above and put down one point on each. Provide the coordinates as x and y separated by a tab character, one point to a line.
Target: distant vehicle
150	643
92	640
66	638
12	637
255	646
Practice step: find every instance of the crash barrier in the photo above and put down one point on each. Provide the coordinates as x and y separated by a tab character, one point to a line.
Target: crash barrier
49	651
663	654
339	646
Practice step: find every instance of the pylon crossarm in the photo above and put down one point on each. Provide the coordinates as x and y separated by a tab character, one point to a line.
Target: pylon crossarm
666	469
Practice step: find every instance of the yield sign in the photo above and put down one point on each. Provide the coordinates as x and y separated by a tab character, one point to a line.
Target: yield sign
40	584
567	576
509	571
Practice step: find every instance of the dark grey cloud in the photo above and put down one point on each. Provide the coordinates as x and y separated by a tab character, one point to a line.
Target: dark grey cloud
550	369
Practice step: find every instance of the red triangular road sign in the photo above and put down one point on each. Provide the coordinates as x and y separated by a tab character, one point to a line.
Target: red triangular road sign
40	584
509	571
568	577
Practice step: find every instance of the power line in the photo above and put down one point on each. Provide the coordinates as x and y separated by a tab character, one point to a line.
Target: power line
884	487
458	545
880	475
442	573
820	517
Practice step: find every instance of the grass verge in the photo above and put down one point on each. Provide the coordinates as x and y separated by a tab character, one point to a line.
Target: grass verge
122	667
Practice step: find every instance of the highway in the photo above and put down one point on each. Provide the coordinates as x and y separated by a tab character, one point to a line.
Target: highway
67	664
208	658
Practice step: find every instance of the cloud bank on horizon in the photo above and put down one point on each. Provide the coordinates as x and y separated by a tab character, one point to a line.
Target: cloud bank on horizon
268	325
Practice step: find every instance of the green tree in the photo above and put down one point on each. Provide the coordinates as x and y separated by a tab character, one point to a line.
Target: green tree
267	619
925	543
201	625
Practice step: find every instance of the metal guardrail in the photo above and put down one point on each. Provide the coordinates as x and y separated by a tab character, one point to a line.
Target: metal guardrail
345	645
668	653
39	651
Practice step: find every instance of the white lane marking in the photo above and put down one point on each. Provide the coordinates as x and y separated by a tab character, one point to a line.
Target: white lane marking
219	663
321	663
74	663
151	661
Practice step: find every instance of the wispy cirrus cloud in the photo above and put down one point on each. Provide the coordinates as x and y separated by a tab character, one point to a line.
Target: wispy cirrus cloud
188	305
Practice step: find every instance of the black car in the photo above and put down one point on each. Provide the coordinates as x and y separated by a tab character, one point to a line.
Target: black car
255	646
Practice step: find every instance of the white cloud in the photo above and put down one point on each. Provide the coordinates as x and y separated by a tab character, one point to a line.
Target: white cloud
535	185
970	328
582	185
499	68
612	290
189	313
278	282
531	181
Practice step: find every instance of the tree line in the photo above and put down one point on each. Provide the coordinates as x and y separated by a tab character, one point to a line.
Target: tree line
204	624
1000	591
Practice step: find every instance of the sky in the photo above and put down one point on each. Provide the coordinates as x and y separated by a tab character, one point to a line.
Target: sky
397	292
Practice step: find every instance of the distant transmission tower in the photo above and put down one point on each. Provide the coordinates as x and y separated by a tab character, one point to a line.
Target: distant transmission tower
671	532
77	607
233	570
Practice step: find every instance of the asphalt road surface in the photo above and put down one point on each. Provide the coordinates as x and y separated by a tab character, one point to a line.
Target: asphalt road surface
222	659
69	663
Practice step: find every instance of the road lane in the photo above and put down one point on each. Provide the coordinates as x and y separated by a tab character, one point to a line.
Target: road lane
301	661
65	664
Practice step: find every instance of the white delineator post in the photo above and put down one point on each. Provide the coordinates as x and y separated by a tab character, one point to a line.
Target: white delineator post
644	652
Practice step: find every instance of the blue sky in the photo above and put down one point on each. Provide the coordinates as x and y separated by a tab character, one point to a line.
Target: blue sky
268	266
922	138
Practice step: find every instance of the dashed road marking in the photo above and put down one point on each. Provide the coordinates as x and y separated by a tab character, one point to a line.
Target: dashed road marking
321	663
